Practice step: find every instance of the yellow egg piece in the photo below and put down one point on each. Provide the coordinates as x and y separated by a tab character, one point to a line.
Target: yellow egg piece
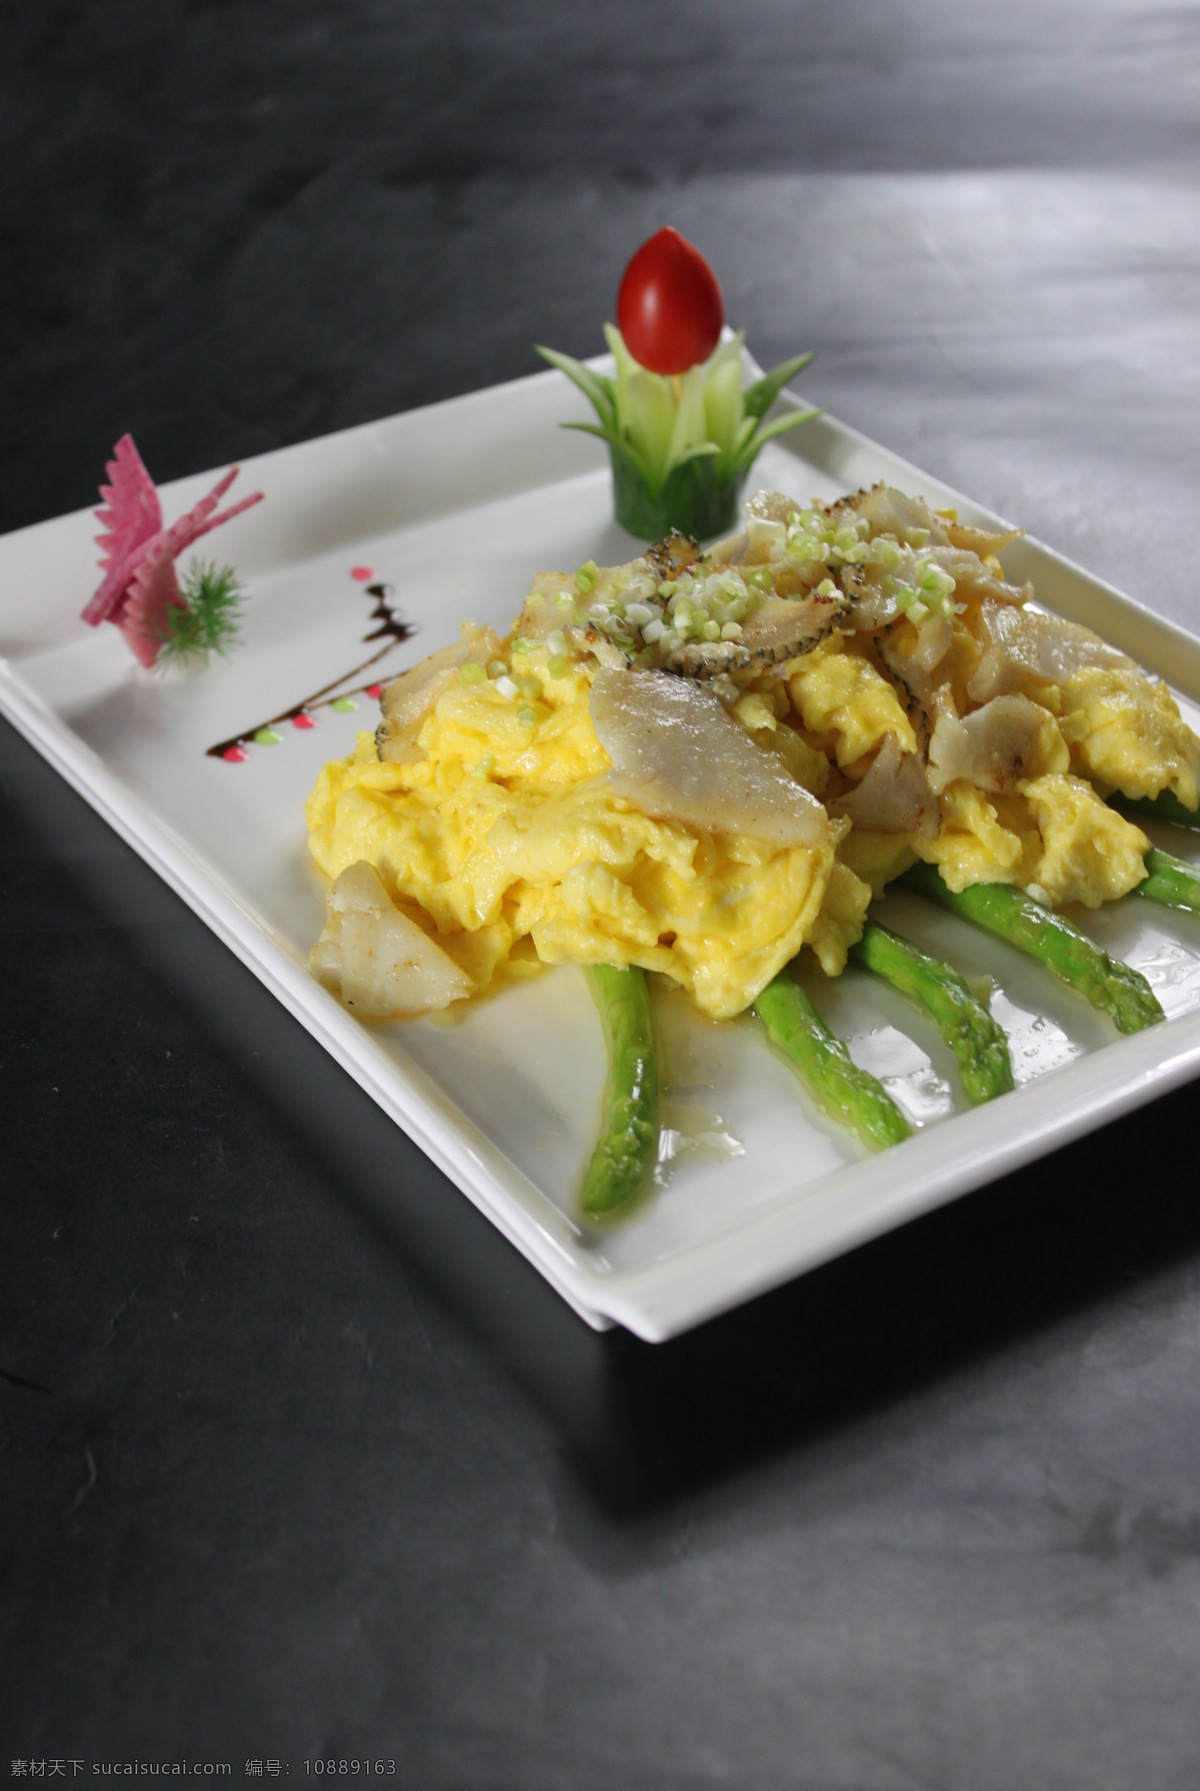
1090	854
876	858
841	919
504	822
841	698
984	838
1126	732
1054	837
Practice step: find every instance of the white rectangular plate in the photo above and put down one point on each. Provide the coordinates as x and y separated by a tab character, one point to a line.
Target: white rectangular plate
457	506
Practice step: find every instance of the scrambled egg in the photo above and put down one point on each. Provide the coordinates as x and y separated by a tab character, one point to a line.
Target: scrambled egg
846	704
495	821
504	827
1054	837
1129	735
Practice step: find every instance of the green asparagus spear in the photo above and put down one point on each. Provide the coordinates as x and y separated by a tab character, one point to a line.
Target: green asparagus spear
1170	881
825	1066
623	1160
1106	982
979	1042
1164	807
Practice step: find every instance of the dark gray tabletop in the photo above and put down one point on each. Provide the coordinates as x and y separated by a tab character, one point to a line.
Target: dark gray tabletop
298	1460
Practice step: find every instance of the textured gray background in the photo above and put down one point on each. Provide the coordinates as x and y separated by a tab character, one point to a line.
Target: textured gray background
296	1457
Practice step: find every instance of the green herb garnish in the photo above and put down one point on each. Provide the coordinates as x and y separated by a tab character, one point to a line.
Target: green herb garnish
207	620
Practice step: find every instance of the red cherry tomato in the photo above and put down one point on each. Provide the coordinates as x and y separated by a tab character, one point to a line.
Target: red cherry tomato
669	306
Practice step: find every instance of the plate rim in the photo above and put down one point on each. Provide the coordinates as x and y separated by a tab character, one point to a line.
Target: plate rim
797	1230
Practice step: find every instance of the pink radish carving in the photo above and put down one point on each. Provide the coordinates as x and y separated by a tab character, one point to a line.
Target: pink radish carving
139	554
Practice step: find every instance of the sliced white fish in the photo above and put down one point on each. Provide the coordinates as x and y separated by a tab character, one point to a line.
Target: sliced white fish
674	554
935	637
780	628
375	959
915	686
880	595
875	597
678	755
892	512
990	747
980	541
599	645
770	506
971	577
542	612
894	796
730	550
915	670
1026	643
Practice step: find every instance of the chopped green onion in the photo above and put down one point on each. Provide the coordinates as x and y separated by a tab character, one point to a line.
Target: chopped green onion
471	672
585	577
527	716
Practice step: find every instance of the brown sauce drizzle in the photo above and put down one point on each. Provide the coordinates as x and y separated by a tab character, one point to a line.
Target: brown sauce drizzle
391	630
